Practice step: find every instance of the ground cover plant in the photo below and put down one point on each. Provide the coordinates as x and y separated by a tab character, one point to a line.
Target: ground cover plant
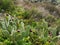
21	26
14	32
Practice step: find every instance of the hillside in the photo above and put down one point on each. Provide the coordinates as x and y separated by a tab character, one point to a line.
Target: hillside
29	22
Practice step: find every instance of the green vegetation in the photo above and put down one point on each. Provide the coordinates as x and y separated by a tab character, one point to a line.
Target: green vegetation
6	4
13	31
20	26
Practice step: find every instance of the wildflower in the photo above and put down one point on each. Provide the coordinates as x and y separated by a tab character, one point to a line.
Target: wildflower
50	34
18	30
30	30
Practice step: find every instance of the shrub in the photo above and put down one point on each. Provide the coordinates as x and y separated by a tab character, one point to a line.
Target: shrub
15	32
5	4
